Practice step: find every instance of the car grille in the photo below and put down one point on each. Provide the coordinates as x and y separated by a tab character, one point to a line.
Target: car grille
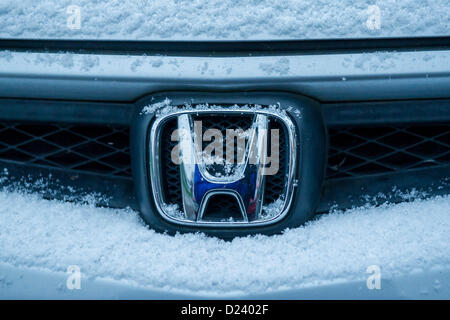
104	150
84	148
359	151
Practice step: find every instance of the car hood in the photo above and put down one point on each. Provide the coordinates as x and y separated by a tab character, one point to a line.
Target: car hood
222	19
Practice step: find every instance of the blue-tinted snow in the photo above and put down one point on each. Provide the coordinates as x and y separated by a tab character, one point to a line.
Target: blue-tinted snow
223	19
405	238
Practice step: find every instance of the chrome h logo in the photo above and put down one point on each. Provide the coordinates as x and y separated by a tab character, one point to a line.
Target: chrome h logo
245	184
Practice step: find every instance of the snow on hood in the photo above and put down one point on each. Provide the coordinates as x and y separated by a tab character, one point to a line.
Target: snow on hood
115	244
222	19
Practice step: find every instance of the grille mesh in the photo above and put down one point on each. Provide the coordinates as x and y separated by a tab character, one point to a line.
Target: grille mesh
170	171
171	183
371	150
95	149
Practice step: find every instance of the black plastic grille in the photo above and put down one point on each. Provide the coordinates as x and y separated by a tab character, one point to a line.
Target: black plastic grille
94	149
275	184
358	151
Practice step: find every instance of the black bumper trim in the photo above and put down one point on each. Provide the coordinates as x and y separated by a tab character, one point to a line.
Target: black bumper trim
386	112
335	114
81	112
229	48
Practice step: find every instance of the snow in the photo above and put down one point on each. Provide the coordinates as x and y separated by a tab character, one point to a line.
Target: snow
281	66
223	19
166	107
406	238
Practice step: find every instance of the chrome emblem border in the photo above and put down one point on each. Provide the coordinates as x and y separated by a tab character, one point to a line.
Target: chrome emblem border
154	165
